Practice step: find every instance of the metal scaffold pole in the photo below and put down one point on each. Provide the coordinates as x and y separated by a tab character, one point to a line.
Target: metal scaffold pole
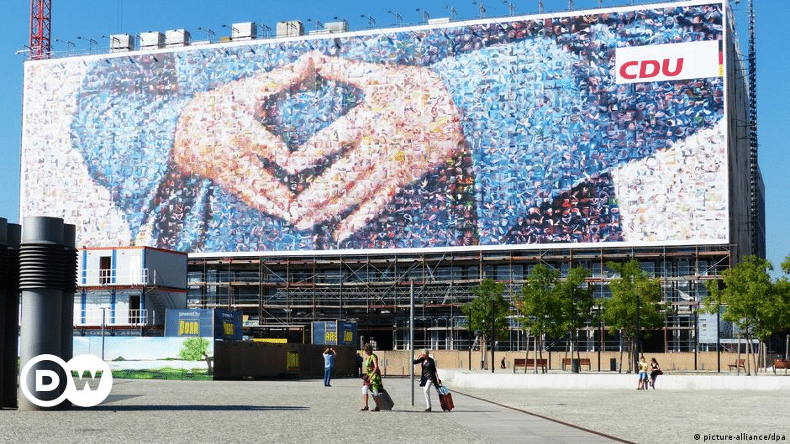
411	338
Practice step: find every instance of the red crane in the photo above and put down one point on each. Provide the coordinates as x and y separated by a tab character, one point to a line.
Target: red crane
40	29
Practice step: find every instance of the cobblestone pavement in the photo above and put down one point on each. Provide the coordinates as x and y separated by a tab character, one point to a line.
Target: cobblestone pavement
306	412
656	416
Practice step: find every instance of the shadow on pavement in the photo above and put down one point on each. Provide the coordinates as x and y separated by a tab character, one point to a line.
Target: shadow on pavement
132	408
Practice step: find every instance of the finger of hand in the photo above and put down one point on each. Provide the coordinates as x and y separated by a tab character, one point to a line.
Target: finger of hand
345	132
331	193
239	170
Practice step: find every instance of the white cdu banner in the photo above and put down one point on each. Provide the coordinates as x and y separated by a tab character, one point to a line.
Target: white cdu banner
675	61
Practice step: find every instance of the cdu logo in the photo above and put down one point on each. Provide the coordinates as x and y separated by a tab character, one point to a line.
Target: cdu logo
47	379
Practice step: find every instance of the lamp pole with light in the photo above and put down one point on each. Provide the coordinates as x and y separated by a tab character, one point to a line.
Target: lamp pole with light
233	30
91	42
68	45
208	32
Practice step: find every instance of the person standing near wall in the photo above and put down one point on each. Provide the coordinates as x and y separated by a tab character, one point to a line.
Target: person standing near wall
329	365
655	370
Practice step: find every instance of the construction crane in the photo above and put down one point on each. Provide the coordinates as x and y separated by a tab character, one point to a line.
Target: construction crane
40	29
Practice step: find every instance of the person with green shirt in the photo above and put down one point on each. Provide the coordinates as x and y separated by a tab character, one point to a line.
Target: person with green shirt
371	377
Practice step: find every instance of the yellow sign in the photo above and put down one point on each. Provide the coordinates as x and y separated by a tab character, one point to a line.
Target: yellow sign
330	337
292	360
188	328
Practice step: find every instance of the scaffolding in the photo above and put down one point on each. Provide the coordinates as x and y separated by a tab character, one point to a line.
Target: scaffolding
373	289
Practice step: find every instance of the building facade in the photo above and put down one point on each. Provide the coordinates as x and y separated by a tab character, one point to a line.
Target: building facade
319	177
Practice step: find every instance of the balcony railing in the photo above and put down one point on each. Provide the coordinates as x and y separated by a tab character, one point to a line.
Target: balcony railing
134	276
104	316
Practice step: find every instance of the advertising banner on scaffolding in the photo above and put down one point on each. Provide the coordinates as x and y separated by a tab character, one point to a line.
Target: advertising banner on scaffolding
603	127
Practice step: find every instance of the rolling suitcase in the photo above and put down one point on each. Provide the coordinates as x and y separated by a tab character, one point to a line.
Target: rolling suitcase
446	399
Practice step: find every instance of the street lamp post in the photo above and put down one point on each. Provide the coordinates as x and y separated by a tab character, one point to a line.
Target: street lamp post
398	17
208	32
265	29
493	336
69	45
91	42
636	332
425	16
233	30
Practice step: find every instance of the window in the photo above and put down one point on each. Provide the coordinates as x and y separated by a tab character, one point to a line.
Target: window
105	270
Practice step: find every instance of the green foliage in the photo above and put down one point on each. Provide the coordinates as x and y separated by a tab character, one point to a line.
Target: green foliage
783	294
193	349
164	373
479	310
786	265
539	303
553	306
633	285
753	303
576	303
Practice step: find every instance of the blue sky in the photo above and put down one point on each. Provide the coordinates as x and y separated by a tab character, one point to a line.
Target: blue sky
78	21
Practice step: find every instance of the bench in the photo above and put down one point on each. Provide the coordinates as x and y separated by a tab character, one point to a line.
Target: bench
582	361
781	364
740	364
517	363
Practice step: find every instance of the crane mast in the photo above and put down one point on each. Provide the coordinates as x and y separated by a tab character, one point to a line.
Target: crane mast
40	29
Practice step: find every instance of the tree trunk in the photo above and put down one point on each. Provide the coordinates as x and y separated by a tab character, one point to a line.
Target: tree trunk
748	355
621	352
526	354
738	359
483	342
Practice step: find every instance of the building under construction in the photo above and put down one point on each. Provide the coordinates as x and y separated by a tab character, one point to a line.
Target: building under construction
333	175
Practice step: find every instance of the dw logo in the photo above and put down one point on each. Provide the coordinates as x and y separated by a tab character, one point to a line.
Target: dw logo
49	380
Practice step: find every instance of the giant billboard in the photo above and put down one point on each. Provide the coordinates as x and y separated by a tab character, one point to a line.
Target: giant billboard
589	128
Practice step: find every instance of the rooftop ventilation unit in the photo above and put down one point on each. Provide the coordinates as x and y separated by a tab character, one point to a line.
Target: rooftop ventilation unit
336	27
176	37
244	31
152	40
291	28
121	43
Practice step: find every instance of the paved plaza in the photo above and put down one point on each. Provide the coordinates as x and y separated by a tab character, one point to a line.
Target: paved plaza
304	411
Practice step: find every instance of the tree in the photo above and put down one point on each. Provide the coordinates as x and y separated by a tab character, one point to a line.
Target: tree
633	292
193	349
553	306
575	304
783	292
539	305
489	295
754	304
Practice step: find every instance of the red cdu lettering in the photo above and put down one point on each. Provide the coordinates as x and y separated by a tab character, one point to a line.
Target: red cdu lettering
624	74
678	67
647	69
653	65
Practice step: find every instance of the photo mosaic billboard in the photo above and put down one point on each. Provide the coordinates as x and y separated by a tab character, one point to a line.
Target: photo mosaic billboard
605	126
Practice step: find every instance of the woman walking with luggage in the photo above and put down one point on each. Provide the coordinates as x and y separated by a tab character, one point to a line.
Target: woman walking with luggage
428	377
371	377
